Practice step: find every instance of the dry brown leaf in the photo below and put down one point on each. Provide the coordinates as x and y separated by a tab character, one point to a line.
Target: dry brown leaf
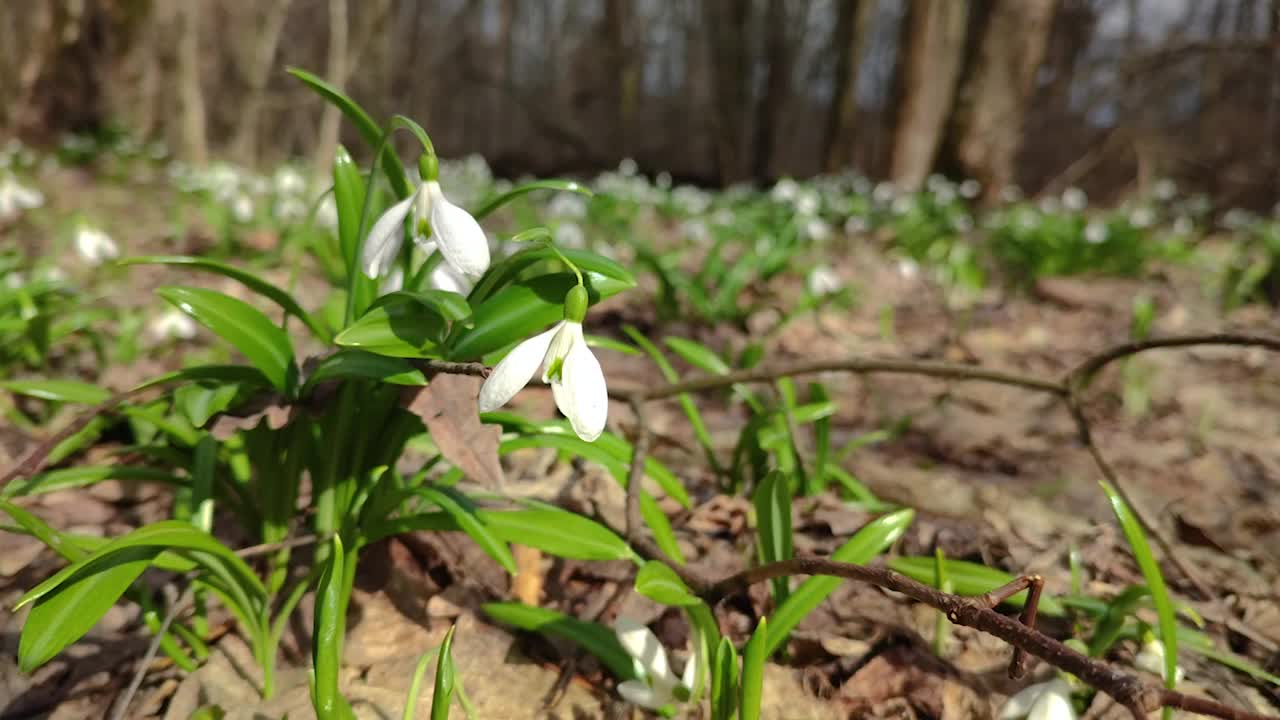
225	426
448	407
527	584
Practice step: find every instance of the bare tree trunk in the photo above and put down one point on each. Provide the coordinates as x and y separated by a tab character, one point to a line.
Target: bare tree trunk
853	27
262	59
776	86
195	142
336	72
726	25
996	92
934	56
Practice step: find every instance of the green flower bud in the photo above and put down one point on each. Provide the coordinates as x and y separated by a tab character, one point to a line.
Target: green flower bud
575	304
428	167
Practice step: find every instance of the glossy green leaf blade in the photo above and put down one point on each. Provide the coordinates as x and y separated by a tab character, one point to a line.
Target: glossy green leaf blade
969	578
83	476
523	309
349	200
492	204
506	270
663	534
449	305
242	325
724	682
661	584
686	400
1166	615
350	363
66	612
368	129
773	521
754	656
593	637
69	391
874	538
399	328
326	645
558	532
244	374
244	277
443	694
468	518
698	355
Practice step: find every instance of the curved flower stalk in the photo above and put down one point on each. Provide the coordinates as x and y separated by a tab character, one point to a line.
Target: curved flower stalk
660	686
577	382
1043	701
450	229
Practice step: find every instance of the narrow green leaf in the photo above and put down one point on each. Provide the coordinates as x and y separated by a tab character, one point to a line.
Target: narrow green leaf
661	584
83	476
415	685
326	653
686	400
600	342
494	203
242	325
754	656
399	328
874	538
359	364
464	513
444	679
349	202
1165	613
970	579
244	374
593	637
663	534
560	533
724	682
508	269
449	305
266	289
773	521
69	391
698	355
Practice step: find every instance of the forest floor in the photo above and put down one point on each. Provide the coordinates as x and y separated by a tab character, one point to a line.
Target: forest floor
996	474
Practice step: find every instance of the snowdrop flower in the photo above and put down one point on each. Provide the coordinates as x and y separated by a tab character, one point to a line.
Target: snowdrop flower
628	167
455	233
970	189
289	181
577	382
242	208
907	268
1043	701
945	194
823	280
807	203
696	230
95	246
567	205
173	325
14	280
1142	217
327	213
660	686
1049	205
884	193
961	223
1011	194
1095	232
1151	659
1074	199
856	225
903	204
16	197
817	230
1183	225
570	235
393	282
1165	189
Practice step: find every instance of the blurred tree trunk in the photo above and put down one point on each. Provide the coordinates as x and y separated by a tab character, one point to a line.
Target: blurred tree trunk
934	55
996	91
262	58
853	27
195	142
336	73
725	23
624	93
777	85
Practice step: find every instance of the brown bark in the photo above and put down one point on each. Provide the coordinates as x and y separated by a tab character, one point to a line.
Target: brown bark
853	27
195	142
996	93
725	22
777	84
934	56
336	73
262	60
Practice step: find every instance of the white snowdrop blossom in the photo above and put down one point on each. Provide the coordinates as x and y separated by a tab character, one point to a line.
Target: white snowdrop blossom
289	181
327	213
577	382
1142	217
807	203
242	208
567	205
16	197
785	190
570	235
1049	205
628	167
817	230
970	189
907	268
1183	225
1165	190
660	686
392	282
1095	232
1011	194
856	225
823	280
1043	701
1074	199
884	193
95	246
1151	659
172	325
453	231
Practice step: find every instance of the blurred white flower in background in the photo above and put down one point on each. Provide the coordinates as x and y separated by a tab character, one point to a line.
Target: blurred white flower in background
884	193
1183	225
944	194
172	325
903	204
1095	232
16	197
807	202
1011	194
1142	217
660	686
907	268
95	246
628	167
696	230
289	181
1165	189
961	223
570	235
1236	218
785	190
1043	701
1074	199
290	209
1151	659
327	213
817	230
856	225
1049	205
822	280
567	205
242	208
663	180
970	189
14	280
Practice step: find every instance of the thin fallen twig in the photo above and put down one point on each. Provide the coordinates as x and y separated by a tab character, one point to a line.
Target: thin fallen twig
175	607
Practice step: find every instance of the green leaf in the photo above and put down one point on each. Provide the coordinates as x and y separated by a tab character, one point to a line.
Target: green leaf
352	363
69	391
524	308
724	682
560	533
661	584
968	578
369	131
754	656
64	613
244	277
505	271
399	328
242	325
83	476
464	513
1165	613
698	355
773	520
348	200
593	637
660	525
494	203
686	400
443	694
449	305
874	538
600	342
245	374
326	645
415	685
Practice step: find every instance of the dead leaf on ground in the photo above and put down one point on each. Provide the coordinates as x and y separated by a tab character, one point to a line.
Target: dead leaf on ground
448	407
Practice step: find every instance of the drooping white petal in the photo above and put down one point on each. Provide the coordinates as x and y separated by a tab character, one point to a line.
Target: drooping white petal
1151	659
515	371
641	644
383	243
393	281
1020	703
637	693
1054	703
444	277
560	344
462	242
689	677
580	392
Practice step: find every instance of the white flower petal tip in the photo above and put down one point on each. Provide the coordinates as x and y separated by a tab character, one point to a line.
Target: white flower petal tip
1043	701
515	371
383	242
460	238
582	395
642	645
637	693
